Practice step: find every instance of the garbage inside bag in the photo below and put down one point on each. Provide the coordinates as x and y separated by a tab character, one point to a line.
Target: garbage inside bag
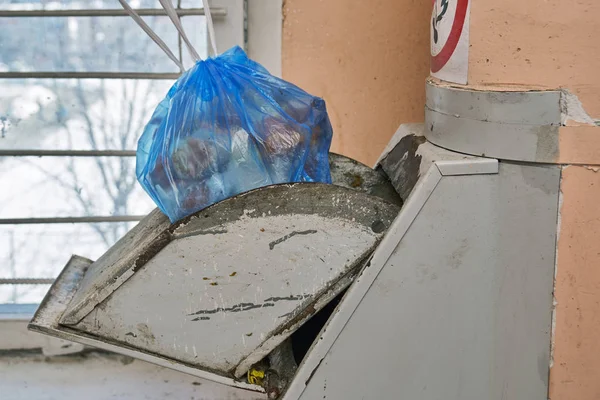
225	127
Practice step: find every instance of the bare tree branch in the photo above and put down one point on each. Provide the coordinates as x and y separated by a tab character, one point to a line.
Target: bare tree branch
99	113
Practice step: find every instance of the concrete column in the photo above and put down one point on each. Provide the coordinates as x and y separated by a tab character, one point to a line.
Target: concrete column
549	45
546	44
367	59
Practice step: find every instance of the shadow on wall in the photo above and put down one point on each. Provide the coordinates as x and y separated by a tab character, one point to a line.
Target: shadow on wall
368	60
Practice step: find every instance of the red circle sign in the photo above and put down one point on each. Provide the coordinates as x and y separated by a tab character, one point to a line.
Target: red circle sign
439	60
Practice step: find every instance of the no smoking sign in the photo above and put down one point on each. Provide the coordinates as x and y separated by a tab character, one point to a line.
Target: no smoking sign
449	28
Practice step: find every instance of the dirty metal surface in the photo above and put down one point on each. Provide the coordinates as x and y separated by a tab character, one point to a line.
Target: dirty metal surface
116	265
410	156
362	283
47	316
60	294
151	234
520	126
463	293
236	279
350	173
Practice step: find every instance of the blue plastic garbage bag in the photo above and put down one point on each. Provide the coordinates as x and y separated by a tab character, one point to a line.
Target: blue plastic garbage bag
227	126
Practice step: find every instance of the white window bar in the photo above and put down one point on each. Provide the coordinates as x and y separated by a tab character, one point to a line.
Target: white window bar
26	281
66	153
89	75
218	12
71	220
231	32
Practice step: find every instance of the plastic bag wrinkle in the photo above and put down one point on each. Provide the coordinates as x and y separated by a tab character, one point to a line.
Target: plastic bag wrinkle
225	127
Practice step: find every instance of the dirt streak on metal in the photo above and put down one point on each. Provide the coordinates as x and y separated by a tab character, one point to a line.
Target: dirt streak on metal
157	245
290	235
270	302
236	308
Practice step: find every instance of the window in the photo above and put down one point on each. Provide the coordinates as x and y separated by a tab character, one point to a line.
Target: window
78	81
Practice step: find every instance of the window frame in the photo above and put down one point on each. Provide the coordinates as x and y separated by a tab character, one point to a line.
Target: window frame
255	25
229	23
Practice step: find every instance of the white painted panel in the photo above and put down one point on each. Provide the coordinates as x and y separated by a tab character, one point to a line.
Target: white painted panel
213	298
462	308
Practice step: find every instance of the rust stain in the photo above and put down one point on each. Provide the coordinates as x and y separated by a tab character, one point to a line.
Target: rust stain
355	180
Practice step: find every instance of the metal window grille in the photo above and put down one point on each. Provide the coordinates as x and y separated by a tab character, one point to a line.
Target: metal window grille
75	77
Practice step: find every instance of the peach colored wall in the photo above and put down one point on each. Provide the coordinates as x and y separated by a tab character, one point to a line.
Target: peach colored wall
579	145
576	370
368	60
554	44
549	43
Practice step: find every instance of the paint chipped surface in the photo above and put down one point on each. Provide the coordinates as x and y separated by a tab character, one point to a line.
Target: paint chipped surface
403	164
288	247
153	233
572	111
216	314
290	235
